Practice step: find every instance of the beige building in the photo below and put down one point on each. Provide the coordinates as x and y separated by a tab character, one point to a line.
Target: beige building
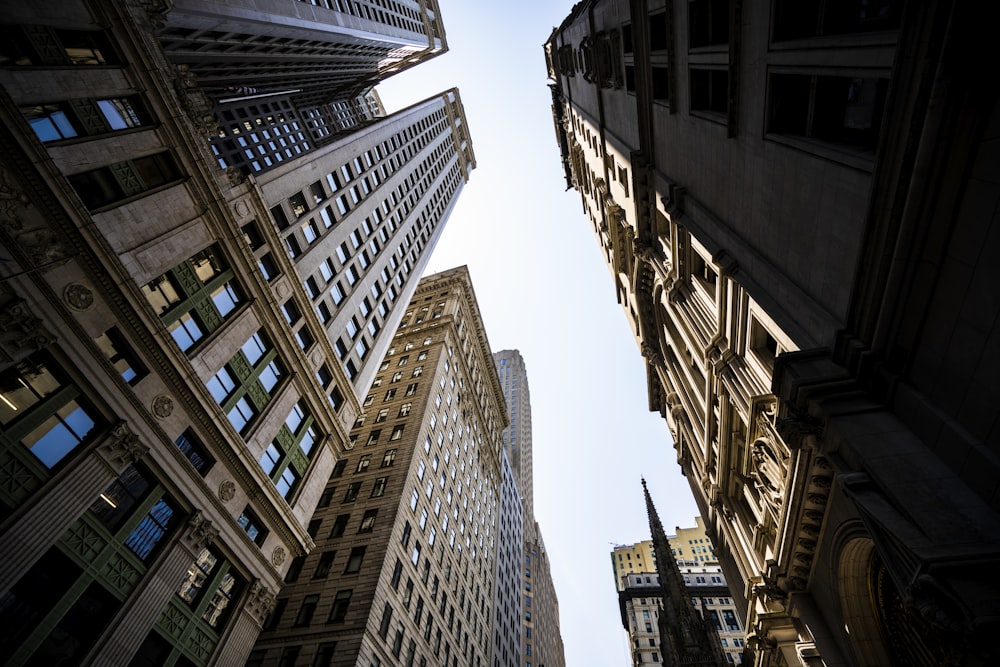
638	585
179	377
406	529
798	214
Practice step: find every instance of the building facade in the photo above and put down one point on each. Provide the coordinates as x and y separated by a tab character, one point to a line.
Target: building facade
507	619
638	585
541	637
406	530
795	213
174	395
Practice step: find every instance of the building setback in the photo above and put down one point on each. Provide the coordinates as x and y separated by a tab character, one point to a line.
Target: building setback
407	527
184	350
797	208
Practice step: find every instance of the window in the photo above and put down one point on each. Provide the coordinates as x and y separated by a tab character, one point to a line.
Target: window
411	389
323	566
43	410
404	409
189	445
709	90
122	357
107	185
368	521
252	526
341	602
388	458
845	111
383	628
397	432
379	487
195	297
211	573
352	492
800	20
708	23
354	560
306	611
339	525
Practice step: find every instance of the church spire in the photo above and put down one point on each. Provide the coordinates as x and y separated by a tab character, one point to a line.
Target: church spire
687	640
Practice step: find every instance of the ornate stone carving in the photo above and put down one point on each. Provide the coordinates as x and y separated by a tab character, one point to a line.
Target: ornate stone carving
767	473
122	446
162	406
260	601
21	333
278	556
236	178
195	102
200	532
11	199
227	490
155	13
78	297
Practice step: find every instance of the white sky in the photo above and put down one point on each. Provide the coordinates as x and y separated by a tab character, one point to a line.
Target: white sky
544	289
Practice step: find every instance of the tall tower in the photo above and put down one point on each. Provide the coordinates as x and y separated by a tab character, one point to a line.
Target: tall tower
541	638
183	350
407	527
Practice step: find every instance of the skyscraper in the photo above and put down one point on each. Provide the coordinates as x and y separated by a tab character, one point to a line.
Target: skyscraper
184	349
541	637
793	207
406	528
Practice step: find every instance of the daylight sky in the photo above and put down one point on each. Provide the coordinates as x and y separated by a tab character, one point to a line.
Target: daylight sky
544	289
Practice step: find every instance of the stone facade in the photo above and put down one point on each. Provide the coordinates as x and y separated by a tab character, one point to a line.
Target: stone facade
174	399
798	207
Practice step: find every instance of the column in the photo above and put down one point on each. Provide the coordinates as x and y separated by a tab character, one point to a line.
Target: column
160	582
235	647
63	500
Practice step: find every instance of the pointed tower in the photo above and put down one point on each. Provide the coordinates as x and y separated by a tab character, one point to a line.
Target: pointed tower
686	639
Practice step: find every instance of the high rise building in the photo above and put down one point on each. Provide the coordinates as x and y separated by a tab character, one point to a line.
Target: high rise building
507	619
184	351
638	585
284	78
797	211
407	527
541	637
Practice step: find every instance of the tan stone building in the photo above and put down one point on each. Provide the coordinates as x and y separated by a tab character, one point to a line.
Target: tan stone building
406	528
638	585
796	202
184	350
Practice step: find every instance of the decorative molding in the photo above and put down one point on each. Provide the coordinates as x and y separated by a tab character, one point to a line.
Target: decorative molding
122	447
21	333
260	601
162	406
278	556
78	296
227	490
200	532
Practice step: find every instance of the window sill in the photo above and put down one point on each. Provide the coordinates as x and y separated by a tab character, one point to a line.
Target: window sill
854	158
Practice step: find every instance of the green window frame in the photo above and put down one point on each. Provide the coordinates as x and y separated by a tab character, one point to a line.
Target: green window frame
196	297
75	589
289	455
45	420
247	384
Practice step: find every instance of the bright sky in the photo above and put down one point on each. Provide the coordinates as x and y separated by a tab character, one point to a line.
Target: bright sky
544	289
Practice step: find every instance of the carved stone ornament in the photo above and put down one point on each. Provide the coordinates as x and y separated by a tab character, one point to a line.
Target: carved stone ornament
227	490
78	297
163	406
200	532
278	556
122	446
11	199
21	333
260	601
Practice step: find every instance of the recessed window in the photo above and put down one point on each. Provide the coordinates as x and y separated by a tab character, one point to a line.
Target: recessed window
252	526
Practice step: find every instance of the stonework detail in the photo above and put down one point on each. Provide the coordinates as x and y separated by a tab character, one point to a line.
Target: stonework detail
200	532
162	406
278	556
21	333
122	446
78	297
227	490
260	601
